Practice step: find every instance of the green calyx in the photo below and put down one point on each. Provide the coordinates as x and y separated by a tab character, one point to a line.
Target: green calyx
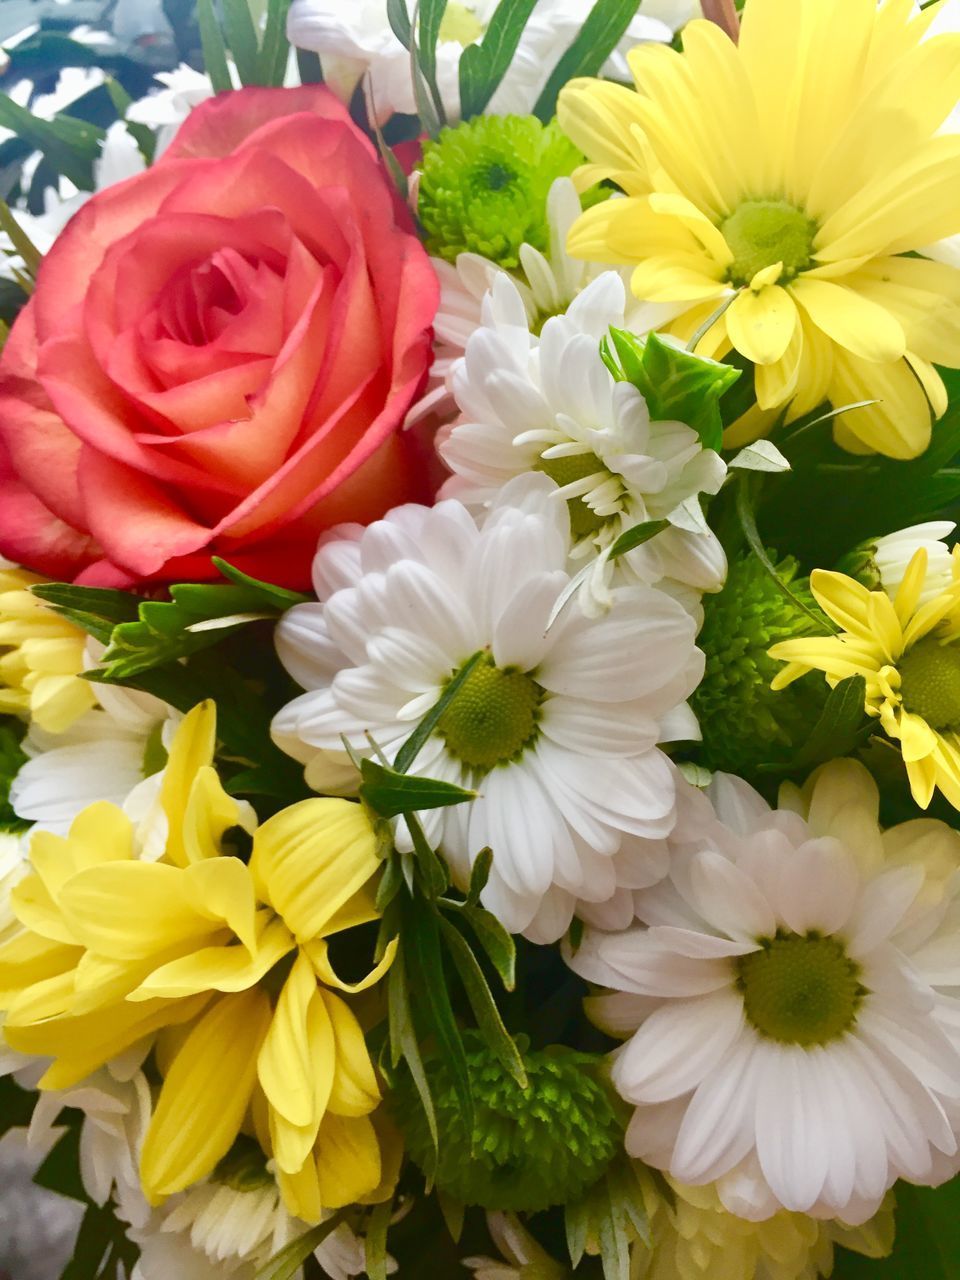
492	717
529	1148
583	520
800	989
762	232
745	723
484	186
930	683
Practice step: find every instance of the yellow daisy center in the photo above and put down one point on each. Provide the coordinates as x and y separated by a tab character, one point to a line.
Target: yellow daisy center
930	683
800	988
492	717
583	520
762	232
460	25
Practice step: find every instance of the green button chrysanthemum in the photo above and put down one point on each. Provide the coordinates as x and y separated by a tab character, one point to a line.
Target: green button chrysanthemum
743	722
531	1148
484	186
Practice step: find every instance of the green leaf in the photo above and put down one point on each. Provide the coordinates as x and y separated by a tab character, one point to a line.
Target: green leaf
241	37
430	18
840	729
99	602
636	535
403	1040
375	1241
499	946
479	875
399	19
608	1219
390	883
288	1261
268	593
599	36
21	242
489	1023
142	134
762	455
432	871
390	793
421	933
411	748
70	146
928	1239
214	49
677	385
483	65
276	47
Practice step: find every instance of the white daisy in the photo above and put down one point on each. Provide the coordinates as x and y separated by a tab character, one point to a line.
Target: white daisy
356	39
550	404
556	728
893	553
521	1255
164	110
795	987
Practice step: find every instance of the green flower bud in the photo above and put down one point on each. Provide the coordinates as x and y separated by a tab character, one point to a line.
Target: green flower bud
529	1148
484	186
743	722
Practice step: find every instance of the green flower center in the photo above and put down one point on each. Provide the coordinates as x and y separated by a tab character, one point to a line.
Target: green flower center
762	232
583	520
460	25
930	683
493	716
800	988
244	1167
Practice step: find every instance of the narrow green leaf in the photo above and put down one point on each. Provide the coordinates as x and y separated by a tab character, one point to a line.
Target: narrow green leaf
483	65
636	535
840	727
599	36
431	118
390	883
454	1213
762	455
99	602
392	164
286	1263
21	242
489	1023
375	1241
70	146
403	1041
432	871
421	933
479	875
276	47
142	134
241	37
429	20
391	793
214	49
492	936
677	385
399	19
267	592
411	748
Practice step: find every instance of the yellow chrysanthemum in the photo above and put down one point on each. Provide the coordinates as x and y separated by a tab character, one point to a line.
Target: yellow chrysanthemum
41	658
909	655
799	168
228	960
695	1238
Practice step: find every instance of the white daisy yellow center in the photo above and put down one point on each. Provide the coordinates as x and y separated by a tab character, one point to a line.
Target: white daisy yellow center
762	232
584	521
930	683
493	716
800	988
460	25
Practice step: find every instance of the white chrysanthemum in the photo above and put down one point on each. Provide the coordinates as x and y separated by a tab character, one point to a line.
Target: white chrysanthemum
355	39
521	1255
893	553
556	728
115	752
550	404
795	985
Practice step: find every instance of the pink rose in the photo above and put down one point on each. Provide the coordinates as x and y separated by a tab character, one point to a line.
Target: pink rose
219	355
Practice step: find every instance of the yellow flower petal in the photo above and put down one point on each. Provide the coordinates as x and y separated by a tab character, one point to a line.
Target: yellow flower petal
844	600
311	858
761	325
862	327
319	954
355	1090
917	739
911	585
298	1058
209	813
597	118
192	748
221	890
348	1159
205	1095
898	424
228	968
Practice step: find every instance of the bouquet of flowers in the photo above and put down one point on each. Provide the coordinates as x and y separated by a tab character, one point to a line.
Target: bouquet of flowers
480	645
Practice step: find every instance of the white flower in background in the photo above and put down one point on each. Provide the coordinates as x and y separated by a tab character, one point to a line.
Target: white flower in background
893	553
550	404
556	729
115	752
795	983
353	39
164	110
521	1255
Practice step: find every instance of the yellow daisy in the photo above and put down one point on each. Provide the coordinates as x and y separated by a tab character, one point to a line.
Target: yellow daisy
226	960
793	173
41	658
909	655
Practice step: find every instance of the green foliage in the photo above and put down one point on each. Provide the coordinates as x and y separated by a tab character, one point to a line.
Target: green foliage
12	759
260	57
483	65
677	385
68	145
608	1220
599	36
287	1263
927	1244
390	793
532	1145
